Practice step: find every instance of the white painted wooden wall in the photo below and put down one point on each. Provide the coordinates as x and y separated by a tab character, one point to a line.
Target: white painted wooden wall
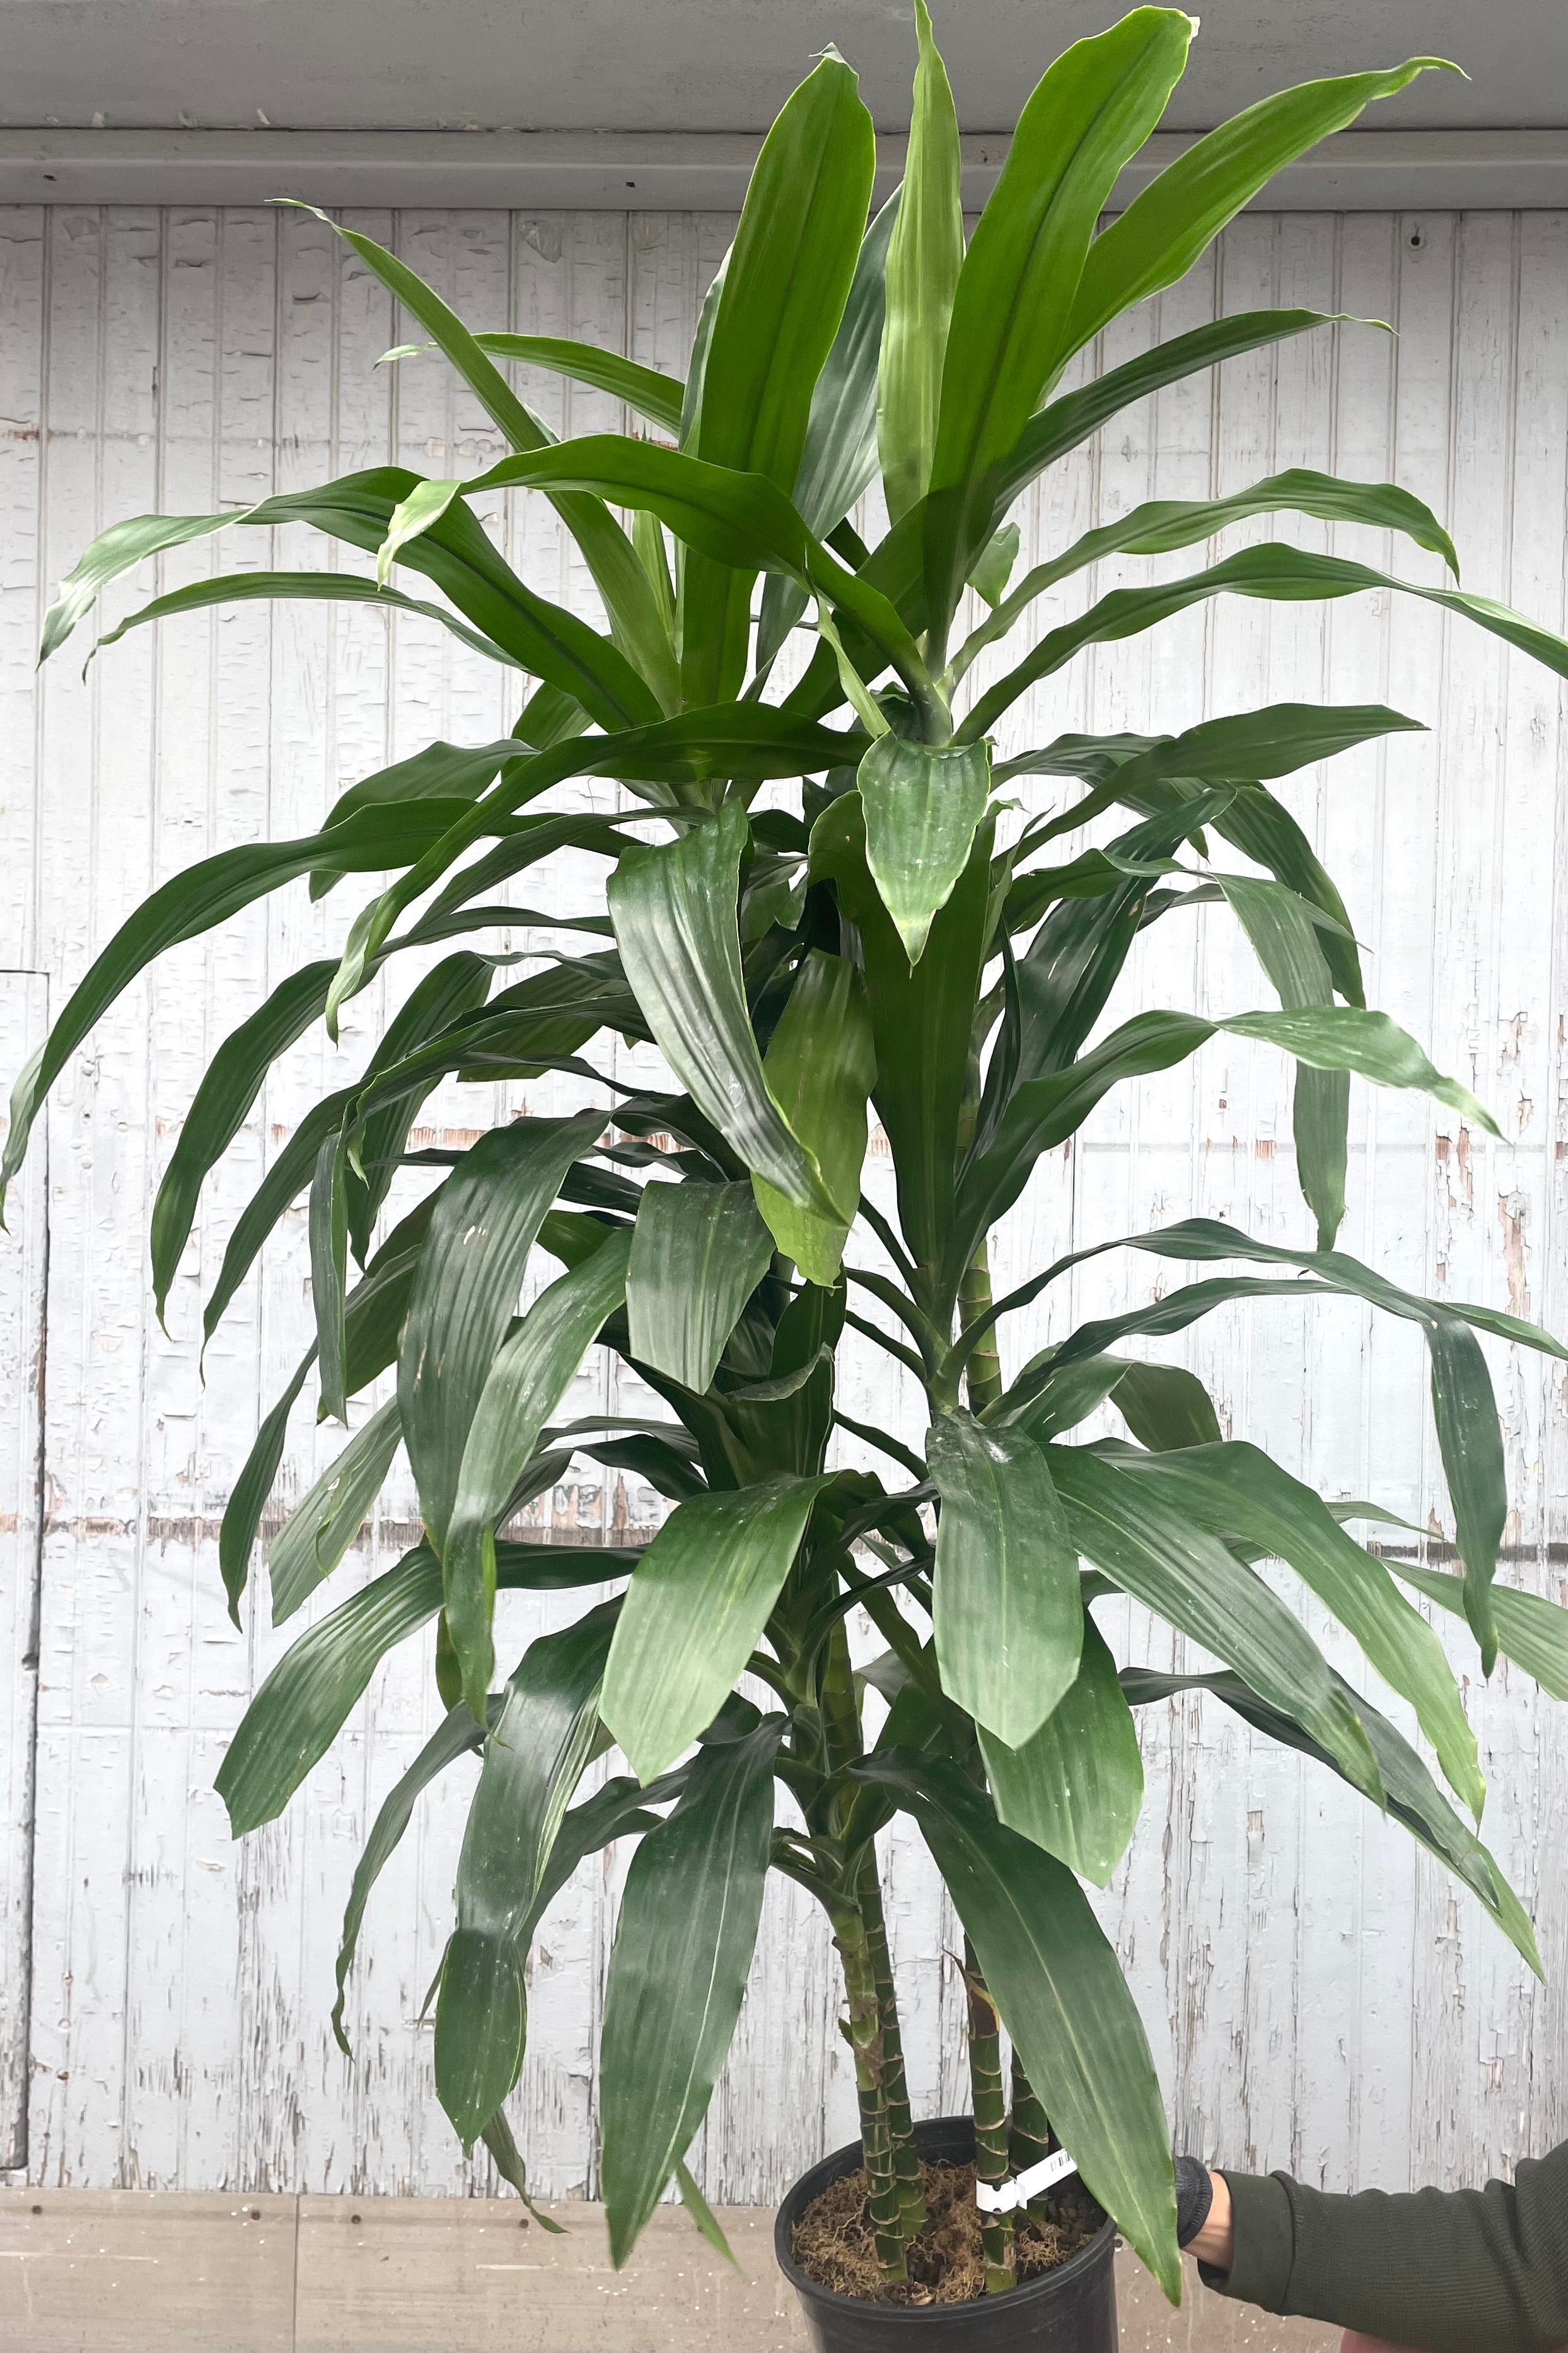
1316	1991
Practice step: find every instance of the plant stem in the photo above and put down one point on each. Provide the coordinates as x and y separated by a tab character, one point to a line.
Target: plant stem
990	2122
983	1373
895	2083
1031	2138
866	2042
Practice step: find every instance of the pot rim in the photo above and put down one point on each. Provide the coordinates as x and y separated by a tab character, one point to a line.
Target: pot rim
1044	2283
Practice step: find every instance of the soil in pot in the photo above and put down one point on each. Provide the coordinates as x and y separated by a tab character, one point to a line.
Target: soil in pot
832	2243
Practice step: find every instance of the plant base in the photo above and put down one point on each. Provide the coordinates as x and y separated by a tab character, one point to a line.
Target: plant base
1071	2308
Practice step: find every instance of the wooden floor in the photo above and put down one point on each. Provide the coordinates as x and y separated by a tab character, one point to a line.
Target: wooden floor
126	2272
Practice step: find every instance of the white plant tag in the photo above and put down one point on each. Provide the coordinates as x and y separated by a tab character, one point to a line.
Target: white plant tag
1020	2188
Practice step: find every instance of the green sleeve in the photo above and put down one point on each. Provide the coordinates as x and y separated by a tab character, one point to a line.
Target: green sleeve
1469	2271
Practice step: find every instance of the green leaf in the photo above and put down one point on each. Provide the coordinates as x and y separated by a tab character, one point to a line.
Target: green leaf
698	1253
1469	1436
307	1699
785	289
1062	1395
1075	1786
298	587
1008	336
454	988
1063	1999
522	1387
839	457
1236	1492
1271	571
990	576
923	263
327	1518
1164	230
695	1612
920	1019
1144	1542
684	1940
532	1762
1164	1406
1008	1614
702	2215
627	594
922	807
674	911
329	1237
658	397
820	1067
1531	1631
458	1735
1287	941
466	1290
1412	1798
193	903
1064	424
496	2137
248	1497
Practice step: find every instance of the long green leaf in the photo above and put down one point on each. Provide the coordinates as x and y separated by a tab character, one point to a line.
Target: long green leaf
1288	947
327	1518
684	1940
1469	1436
1236	1491
1091	111
1062	1996
1075	1786
248	1497
695	1612
820	1068
1160	235
1165	1406
839	457
1008	1612
1271	571
1531	1631
636	625
306	1700
786	284
698	1253
522	1387
450	992
1412	1798
674	912
299	587
457	1737
533	1760
1144	1542
658	397
466	1289
923	263
922	808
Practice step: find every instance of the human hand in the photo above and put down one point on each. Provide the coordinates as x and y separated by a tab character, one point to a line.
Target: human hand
1214	2243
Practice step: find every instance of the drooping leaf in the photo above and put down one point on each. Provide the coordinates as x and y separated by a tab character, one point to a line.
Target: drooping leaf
1413	1797
1063	1999
695	1611
327	1518
1469	1436
1165	1406
466	1291
674	912
1531	1631
820	1068
923	261
1236	1492
328	1238
655	396
922	807
248	1497
457	1737
1119	1519
296	588
1076	1786
698	1253
305	1701
684	1940
532	1762
1008	1612
522	1387
1288	944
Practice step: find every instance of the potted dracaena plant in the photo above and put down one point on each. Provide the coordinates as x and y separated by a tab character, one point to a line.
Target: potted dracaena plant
868	938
